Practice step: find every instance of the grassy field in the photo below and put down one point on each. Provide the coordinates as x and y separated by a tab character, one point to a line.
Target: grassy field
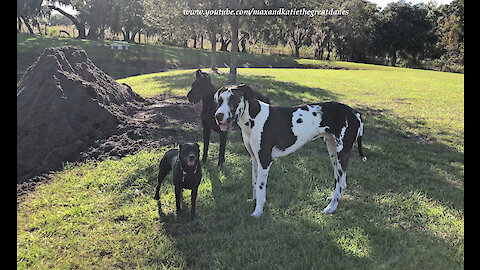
402	209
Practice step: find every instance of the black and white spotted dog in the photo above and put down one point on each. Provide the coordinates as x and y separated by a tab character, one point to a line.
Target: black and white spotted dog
271	131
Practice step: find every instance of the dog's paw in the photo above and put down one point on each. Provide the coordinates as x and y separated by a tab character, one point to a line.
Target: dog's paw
330	208
251	200
256	214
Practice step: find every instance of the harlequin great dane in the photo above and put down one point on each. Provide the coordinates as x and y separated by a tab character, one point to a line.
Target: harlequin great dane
271	131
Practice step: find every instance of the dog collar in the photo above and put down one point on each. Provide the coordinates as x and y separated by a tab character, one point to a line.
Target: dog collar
184	173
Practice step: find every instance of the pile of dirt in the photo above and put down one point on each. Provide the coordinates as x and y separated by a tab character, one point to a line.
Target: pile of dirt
69	110
64	105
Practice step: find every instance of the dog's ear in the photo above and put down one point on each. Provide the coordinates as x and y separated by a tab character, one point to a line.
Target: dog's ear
217	94
180	146
206	76
198	148
198	73
247	91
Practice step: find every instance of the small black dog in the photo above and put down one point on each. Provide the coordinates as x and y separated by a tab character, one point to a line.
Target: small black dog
187	172
201	95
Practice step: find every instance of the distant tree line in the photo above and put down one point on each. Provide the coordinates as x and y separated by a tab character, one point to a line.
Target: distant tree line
401	34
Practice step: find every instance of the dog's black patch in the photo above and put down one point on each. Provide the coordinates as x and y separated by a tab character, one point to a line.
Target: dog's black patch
252	123
334	116
276	133
254	108
299	120
314	113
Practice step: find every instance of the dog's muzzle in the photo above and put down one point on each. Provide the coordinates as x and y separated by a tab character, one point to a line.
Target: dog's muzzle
225	125
191	160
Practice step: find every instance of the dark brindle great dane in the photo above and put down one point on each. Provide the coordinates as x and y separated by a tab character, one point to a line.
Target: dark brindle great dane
270	131
201	95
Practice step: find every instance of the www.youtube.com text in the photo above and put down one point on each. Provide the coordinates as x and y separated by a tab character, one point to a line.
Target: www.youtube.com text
265	12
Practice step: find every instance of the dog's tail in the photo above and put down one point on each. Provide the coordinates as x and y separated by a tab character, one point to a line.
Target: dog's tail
359	138
360	151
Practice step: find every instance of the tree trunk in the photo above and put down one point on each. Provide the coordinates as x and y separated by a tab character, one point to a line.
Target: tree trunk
19	30
92	32
126	35
213	54
25	21
394	58
297	51
224	44
80	25
234	23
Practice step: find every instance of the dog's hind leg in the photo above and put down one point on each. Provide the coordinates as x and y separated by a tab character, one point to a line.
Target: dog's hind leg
337	175
339	161
163	169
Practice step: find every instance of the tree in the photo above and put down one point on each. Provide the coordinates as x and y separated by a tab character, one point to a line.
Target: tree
450	29
352	34
131	13
27	11
405	31
76	20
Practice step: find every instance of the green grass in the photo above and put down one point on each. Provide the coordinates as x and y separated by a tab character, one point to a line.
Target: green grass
402	209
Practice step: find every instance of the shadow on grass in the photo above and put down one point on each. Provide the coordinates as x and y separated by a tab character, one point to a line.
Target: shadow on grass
279	92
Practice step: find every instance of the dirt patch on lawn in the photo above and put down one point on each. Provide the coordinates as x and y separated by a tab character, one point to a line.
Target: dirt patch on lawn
69	110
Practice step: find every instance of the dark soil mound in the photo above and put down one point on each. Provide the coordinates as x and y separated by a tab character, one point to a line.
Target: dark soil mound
64	105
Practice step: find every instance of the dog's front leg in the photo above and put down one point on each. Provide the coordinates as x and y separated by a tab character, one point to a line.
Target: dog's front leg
254	169
223	143
206	141
178	198
254	177
194	200
261	189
